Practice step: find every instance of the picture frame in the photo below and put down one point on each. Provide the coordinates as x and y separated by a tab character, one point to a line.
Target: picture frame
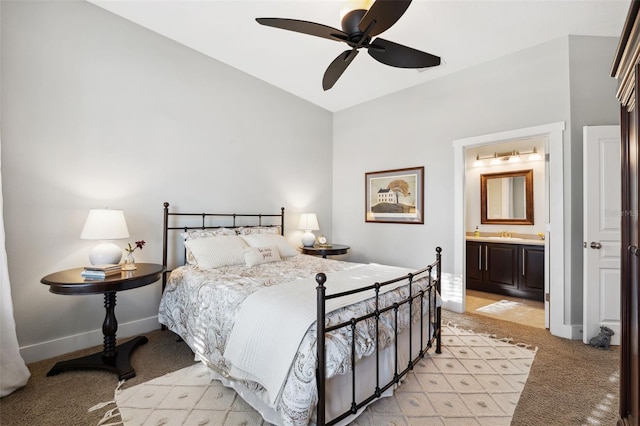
395	196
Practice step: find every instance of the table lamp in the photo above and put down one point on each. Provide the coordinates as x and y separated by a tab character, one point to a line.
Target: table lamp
308	222
105	225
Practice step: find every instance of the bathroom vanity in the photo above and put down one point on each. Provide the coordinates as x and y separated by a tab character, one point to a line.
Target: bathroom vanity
506	265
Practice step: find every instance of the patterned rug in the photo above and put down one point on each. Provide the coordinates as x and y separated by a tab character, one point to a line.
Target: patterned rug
476	380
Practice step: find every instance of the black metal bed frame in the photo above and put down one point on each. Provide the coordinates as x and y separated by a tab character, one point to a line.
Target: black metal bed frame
203	225
430	292
425	345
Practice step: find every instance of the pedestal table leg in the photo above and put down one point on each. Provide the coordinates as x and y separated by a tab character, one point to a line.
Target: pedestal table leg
112	358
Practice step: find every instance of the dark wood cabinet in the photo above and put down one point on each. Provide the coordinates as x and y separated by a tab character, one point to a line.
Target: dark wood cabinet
626	69
475	265
500	266
531	270
510	269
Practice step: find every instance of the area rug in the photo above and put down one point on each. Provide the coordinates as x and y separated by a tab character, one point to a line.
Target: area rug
476	380
499	307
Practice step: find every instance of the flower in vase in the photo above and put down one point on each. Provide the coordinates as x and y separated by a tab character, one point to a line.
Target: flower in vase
139	245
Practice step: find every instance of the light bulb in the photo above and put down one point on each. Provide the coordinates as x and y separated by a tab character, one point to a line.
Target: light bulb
534	156
354	5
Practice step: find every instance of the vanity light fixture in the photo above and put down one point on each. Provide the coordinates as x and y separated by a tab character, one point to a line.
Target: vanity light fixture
495	160
515	157
510	157
535	156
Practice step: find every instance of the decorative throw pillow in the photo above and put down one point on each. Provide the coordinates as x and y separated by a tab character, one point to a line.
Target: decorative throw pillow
210	253
259	255
193	234
267	240
248	230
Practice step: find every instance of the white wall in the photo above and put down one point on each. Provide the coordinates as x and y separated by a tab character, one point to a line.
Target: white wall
99	112
416	127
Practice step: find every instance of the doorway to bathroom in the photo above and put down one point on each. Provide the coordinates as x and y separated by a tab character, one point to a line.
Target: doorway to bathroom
505	218
550	219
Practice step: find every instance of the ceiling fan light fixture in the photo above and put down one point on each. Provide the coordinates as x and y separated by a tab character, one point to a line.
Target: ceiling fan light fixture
350	21
359	27
354	5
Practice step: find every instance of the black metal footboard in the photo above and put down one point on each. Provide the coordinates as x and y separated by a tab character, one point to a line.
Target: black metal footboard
434	327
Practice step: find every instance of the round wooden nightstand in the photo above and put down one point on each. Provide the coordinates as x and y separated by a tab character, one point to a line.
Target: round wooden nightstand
324	251
112	358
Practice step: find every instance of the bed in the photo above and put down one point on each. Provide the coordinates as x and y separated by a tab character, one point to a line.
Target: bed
284	329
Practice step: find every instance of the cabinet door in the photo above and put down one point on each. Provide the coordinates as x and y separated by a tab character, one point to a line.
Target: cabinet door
501	261
474	265
531	270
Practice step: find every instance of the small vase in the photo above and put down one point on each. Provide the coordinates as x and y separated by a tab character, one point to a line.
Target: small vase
129	263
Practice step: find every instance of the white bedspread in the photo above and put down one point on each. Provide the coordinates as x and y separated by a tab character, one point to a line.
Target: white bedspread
202	307
287	311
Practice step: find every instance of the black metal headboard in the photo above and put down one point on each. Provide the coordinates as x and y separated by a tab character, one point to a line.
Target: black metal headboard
186	221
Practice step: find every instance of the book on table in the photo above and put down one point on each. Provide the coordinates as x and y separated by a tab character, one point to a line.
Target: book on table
105	267
100	271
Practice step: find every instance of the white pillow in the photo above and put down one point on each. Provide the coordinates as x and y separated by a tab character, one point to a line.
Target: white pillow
193	234
215	252
259	255
266	240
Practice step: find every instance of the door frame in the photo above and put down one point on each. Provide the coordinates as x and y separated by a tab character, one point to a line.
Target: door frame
555	229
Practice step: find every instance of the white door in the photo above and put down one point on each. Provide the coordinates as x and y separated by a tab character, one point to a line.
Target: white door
601	236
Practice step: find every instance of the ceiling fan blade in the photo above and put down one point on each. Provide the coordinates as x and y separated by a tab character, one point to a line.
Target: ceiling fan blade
385	13
397	55
337	67
305	27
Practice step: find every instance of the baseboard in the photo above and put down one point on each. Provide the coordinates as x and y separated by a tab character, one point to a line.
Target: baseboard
453	305
567	331
63	345
576	332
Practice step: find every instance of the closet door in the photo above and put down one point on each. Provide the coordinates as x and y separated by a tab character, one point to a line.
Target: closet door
630	293
626	70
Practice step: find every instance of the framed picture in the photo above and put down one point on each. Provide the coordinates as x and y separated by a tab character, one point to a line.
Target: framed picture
395	196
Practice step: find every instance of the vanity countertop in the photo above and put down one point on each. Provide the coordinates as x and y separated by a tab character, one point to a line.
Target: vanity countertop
506	240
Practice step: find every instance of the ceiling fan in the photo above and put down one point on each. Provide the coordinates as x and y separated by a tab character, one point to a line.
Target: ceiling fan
358	27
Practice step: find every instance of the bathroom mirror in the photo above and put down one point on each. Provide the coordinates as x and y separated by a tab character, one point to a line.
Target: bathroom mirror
507	198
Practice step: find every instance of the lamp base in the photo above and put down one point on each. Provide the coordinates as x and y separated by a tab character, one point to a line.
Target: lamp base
308	239
105	252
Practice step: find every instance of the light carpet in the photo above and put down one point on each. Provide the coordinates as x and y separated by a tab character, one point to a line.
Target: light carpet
476	380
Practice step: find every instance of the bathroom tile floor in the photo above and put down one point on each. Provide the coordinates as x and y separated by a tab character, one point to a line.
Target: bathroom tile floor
522	311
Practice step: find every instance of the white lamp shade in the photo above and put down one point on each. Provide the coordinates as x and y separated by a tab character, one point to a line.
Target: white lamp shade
105	225
308	222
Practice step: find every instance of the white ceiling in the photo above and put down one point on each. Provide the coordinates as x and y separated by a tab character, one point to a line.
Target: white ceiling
462	32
